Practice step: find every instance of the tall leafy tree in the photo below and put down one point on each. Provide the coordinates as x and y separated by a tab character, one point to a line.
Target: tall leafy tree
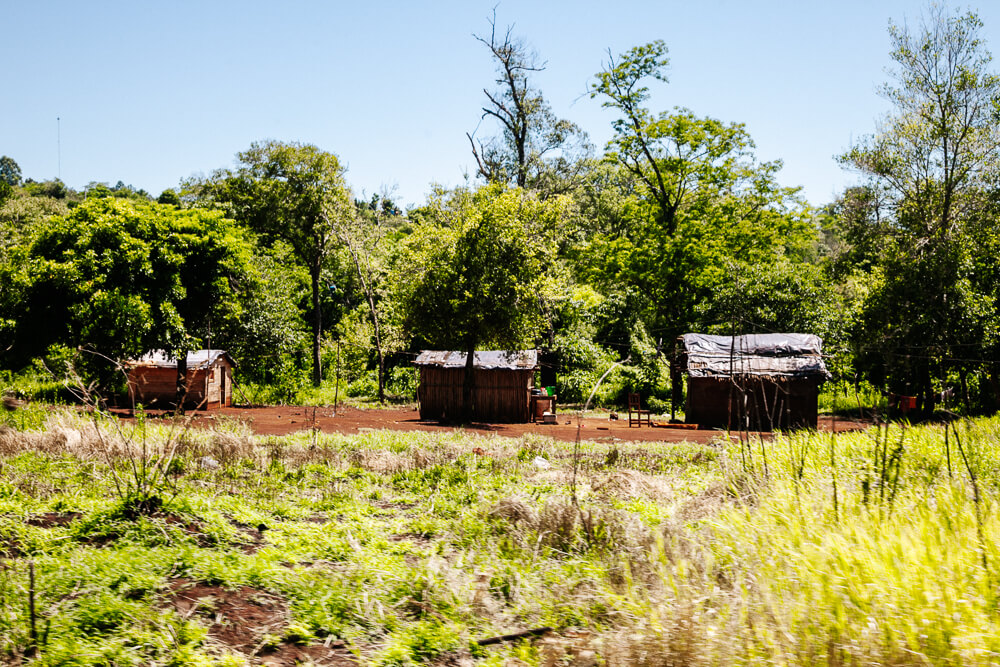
121	277
675	155
10	171
365	237
293	192
939	146
929	169
696	214
478	278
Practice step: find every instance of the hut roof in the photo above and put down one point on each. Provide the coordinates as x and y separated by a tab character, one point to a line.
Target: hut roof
780	354
485	360
195	359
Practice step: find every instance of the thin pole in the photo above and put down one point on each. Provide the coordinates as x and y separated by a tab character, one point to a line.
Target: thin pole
336	386
58	149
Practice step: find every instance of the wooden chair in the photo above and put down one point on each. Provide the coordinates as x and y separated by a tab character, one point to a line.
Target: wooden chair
635	411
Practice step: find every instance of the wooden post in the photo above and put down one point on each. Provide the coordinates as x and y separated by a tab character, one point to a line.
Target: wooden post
336	387
181	382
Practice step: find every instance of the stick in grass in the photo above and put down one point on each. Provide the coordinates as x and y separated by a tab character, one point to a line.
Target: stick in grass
33	649
537	632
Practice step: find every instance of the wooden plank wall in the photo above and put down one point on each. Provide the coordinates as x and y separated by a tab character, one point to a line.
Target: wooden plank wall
156	387
769	402
500	395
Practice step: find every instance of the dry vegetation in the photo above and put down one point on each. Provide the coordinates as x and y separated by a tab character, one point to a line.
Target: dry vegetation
392	548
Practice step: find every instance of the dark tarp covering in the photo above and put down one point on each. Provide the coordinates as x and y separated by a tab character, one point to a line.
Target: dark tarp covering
781	354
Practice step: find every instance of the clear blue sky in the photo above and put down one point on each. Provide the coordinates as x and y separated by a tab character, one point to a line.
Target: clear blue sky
150	93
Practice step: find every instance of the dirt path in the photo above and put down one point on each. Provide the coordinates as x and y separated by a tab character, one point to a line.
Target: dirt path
282	420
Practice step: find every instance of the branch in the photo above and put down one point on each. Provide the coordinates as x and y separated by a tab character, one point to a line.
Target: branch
537	632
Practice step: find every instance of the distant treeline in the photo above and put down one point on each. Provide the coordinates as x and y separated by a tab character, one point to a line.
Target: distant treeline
594	256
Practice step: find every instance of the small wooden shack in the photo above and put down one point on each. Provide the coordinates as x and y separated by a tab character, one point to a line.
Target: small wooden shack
758	382
152	380
503	383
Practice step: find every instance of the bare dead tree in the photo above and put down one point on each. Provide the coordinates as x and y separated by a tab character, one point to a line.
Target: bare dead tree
530	133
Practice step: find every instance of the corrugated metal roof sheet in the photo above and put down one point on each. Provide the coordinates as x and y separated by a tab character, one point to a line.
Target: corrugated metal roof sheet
484	359
792	355
195	359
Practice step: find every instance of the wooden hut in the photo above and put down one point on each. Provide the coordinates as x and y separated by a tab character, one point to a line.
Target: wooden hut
758	382
152	380
503	383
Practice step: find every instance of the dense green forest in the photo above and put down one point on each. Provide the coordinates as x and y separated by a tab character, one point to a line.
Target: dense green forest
595	255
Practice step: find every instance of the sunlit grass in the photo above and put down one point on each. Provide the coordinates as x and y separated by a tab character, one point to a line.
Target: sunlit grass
867	547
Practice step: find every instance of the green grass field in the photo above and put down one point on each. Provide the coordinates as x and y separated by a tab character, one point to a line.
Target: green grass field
155	544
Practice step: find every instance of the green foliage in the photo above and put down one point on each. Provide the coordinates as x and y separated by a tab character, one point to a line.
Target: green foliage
121	277
21	214
581	360
269	336
746	257
477	282
10	171
422	642
169	196
55	189
924	222
119	189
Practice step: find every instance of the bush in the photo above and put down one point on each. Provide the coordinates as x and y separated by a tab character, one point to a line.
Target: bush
402	381
364	386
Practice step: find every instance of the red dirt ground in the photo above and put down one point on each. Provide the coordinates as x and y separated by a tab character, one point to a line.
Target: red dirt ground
242	617
282	420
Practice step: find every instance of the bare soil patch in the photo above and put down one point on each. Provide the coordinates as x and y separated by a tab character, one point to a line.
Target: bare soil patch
52	519
285	419
250	622
254	536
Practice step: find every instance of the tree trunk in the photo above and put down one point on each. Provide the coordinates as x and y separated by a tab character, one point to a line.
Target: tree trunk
927	390
381	373
964	378
182	367
378	338
469	385
317	375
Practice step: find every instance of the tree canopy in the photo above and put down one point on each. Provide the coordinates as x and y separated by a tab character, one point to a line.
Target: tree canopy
927	218
296	193
119	278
